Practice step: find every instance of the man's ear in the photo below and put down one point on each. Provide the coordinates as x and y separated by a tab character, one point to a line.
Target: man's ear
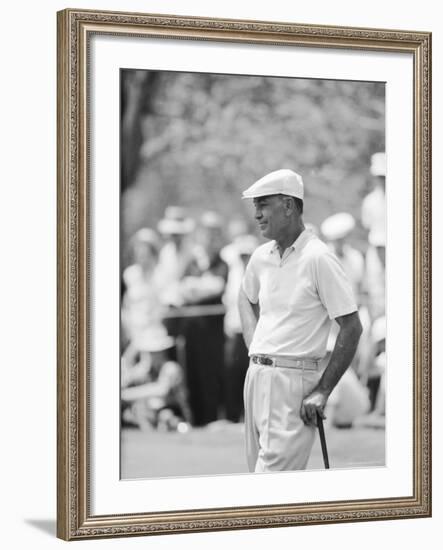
290	206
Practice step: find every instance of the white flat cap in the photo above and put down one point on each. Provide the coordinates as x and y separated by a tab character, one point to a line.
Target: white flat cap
338	226
378	164
284	182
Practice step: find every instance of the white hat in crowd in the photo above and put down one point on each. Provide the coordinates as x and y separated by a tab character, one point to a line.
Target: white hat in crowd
284	182
245	244
378	330
378	164
211	220
337	226
175	222
154	339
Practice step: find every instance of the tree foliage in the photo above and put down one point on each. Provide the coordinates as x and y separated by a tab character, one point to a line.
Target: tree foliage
198	140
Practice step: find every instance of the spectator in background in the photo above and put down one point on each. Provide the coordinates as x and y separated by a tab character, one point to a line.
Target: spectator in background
373	212
336	230
236	353
237	229
378	366
348	401
141	307
176	255
153	391
375	377
374	220
375	274
177	252
374	292
201	290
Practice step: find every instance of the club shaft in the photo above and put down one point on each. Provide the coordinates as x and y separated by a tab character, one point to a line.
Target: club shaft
324	448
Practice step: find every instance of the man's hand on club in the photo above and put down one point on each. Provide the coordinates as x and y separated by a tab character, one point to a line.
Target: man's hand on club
311	404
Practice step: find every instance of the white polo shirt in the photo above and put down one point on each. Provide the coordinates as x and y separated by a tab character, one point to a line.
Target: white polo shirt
299	296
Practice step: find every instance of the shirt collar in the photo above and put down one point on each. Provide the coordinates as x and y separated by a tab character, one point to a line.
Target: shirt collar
299	241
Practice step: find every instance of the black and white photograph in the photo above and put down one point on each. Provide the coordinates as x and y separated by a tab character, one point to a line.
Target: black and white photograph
252	271
243	274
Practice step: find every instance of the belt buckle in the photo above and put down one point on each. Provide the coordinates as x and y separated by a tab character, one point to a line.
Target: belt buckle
263	360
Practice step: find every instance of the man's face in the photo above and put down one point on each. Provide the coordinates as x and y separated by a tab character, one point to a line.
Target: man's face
270	214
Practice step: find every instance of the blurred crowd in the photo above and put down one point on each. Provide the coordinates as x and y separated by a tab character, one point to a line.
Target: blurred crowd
183	359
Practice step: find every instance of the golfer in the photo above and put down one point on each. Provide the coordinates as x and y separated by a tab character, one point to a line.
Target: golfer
292	291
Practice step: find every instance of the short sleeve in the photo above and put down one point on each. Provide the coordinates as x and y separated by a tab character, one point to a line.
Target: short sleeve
333	286
250	282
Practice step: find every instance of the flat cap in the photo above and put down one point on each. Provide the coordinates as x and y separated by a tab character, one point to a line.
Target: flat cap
284	182
338	226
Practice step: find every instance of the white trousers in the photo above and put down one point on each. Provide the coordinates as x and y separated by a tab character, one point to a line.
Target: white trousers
276	437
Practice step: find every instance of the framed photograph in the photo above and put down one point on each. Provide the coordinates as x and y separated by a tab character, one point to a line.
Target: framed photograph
227	363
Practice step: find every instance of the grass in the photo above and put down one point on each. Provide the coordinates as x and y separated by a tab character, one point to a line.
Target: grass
219	449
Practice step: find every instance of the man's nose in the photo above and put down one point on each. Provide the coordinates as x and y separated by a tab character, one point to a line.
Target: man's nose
258	214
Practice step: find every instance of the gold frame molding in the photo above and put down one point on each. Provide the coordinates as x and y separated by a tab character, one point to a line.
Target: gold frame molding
75	27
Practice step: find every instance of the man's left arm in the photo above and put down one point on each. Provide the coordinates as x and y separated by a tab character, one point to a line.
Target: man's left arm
341	357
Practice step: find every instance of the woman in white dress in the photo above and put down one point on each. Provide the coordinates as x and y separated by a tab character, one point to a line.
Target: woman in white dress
141	306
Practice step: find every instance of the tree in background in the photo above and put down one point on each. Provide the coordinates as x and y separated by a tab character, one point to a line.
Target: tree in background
198	140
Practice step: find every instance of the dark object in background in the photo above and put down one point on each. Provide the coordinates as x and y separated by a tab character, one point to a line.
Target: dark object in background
236	365
204	337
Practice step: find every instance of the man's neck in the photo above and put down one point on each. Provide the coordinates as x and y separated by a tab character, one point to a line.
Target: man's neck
289	238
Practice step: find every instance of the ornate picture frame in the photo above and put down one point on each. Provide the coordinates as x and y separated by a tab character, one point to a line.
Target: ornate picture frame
75	519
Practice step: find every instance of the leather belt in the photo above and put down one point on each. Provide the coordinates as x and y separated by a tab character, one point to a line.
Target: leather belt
275	361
